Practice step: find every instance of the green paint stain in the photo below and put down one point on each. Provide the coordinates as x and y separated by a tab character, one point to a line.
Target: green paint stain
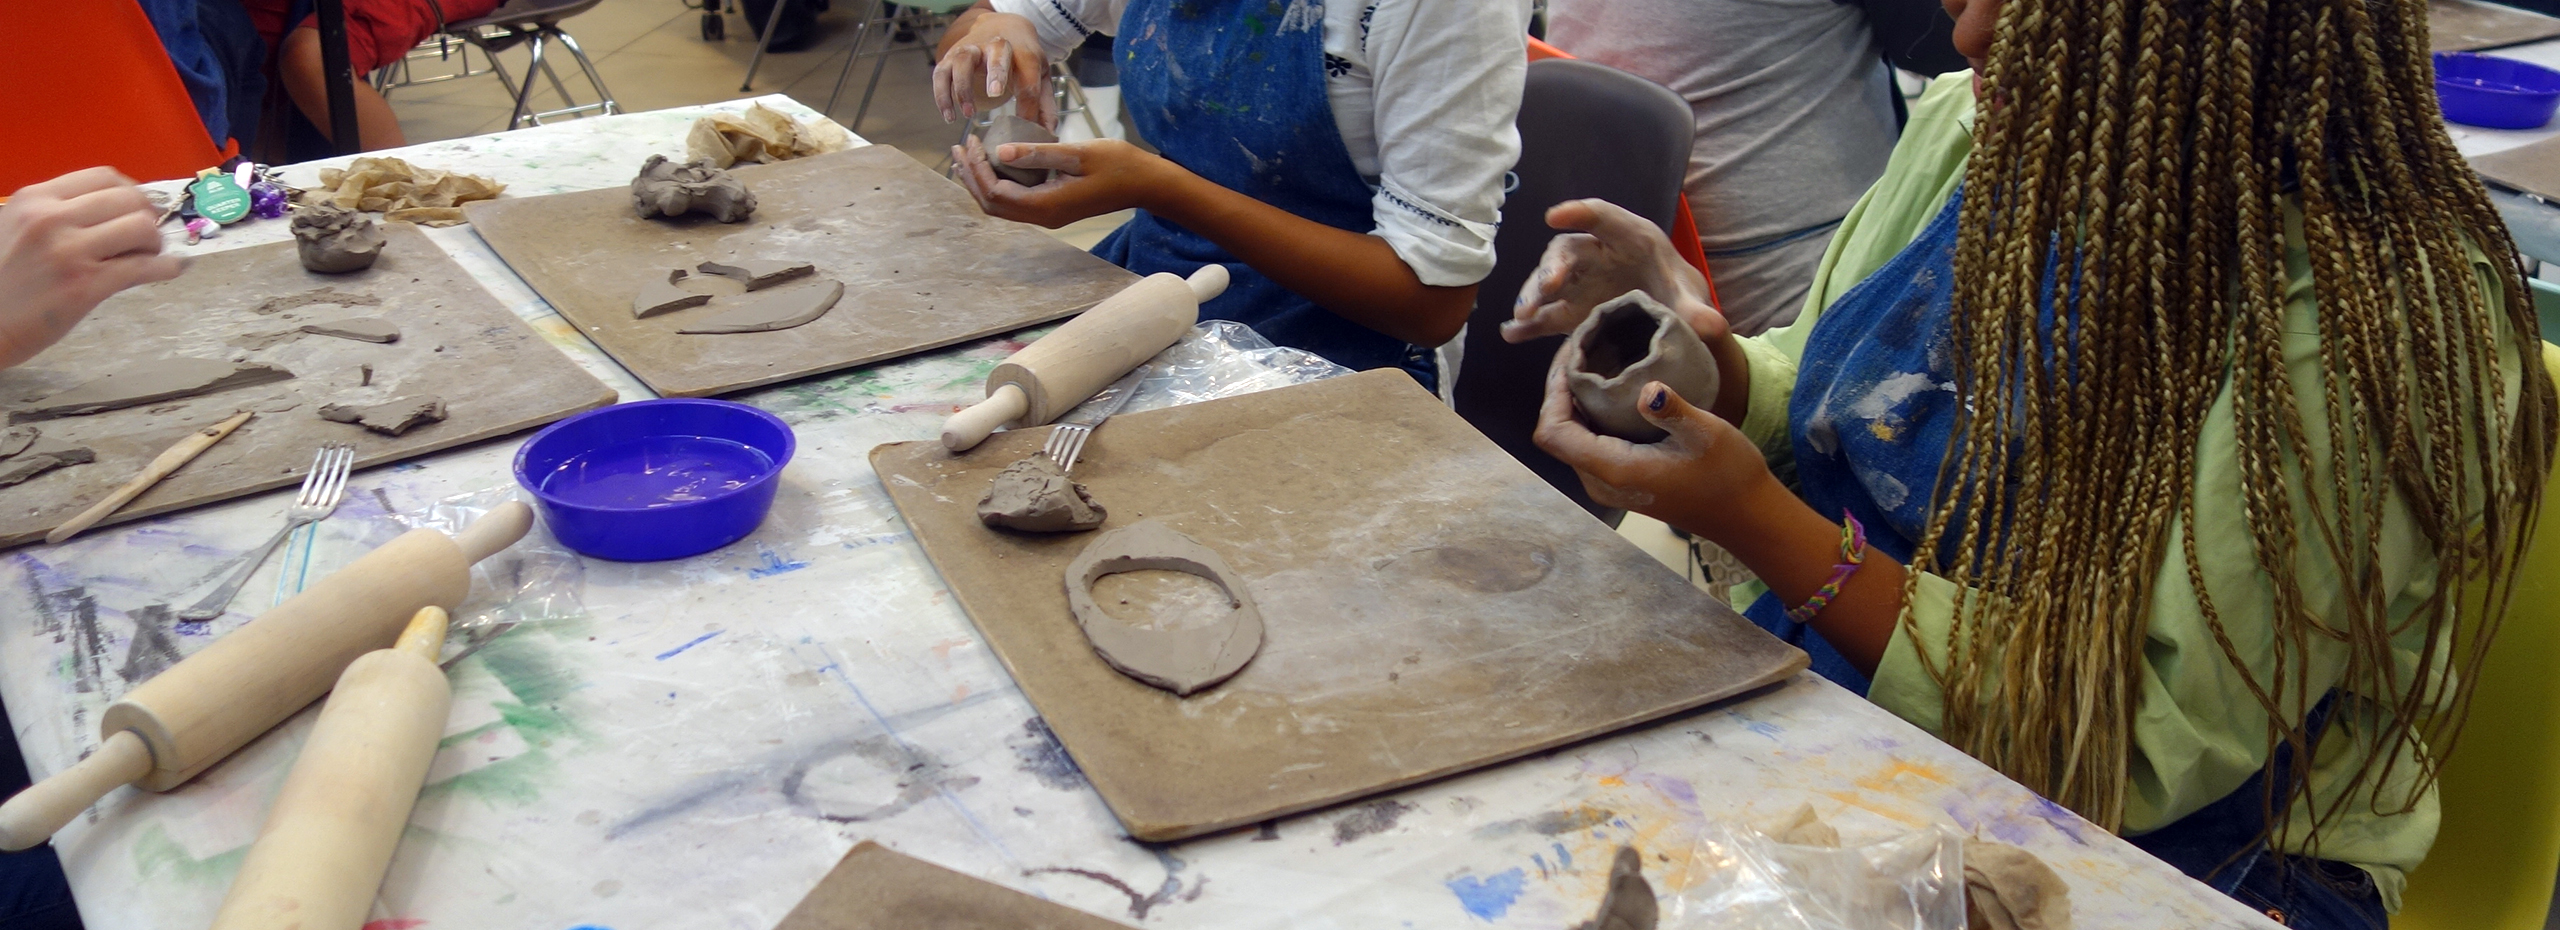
154	852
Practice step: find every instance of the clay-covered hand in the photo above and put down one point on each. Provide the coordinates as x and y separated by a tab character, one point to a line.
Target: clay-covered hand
998	55
1090	179
1683	479
1605	252
65	245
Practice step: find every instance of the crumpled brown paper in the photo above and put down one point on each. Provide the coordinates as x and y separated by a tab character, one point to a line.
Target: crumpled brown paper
761	134
402	192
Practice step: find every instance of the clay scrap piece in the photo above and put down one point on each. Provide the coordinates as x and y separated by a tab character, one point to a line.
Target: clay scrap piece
151	381
1035	495
43	456
16	439
391	419
1629	902
2008	888
758	274
358	328
332	240
1180	661
1007	127
321	295
665	188
1624	345
781	310
658	297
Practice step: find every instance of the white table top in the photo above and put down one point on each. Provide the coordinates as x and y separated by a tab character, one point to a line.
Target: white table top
700	742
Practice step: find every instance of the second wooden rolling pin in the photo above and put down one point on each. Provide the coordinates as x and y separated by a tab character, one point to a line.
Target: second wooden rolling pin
1050	377
319	861
186	719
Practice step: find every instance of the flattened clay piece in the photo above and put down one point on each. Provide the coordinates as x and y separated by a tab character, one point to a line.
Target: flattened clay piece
333	240
16	439
1010	128
1629	903
1624	344
391	419
320	295
658	297
2010	889
665	188
151	381
780	310
358	328
41	457
1180	661
1036	496
758	274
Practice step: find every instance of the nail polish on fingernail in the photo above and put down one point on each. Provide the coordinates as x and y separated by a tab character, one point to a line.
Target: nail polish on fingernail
1660	397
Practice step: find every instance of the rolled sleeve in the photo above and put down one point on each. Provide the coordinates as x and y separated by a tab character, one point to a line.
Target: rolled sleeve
1447	78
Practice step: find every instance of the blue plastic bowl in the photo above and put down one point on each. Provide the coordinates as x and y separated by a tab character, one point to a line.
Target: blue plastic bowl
656	479
2498	93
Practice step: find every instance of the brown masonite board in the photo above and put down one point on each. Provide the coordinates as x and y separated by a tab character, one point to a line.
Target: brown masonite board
2470	25
494	373
922	268
877	888
1429	605
2533	169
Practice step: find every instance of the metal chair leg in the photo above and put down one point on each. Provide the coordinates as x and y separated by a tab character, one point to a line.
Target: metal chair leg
524	91
567	103
603	95
861	34
771	18
877	64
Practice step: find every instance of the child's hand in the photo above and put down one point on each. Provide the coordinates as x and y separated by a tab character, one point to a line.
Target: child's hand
1608	252
65	245
1091	179
1684	480
999	55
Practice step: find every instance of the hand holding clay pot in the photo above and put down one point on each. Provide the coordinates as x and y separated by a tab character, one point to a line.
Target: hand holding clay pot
1088	179
65	245
1607	252
1689	479
996	54
1625	345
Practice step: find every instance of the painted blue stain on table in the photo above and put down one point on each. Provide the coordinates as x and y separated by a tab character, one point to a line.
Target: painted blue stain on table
775	564
698	640
1488	898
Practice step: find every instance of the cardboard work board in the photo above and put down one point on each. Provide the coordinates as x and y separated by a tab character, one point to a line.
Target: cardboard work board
2533	168
922	268
495	375
2471	25
877	888
1429	606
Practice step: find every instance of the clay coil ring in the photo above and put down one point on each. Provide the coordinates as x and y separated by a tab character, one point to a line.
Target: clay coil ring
1180	661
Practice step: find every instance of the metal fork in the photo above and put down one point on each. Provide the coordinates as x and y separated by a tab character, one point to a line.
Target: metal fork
1067	440
321	491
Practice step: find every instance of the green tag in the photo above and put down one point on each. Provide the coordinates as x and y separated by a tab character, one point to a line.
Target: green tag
220	199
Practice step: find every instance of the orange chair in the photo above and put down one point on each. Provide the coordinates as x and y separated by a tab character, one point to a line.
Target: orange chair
94	87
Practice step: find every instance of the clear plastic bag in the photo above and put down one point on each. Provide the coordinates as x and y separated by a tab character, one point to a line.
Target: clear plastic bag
1749	881
1222	358
533	581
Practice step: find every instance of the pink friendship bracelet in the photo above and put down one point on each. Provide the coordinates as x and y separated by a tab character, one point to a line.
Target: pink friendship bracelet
1853	552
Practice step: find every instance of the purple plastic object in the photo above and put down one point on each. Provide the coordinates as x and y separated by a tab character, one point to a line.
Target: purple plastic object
656	479
2493	92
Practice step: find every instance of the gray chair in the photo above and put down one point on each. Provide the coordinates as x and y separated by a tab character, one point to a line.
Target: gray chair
536	23
1586	130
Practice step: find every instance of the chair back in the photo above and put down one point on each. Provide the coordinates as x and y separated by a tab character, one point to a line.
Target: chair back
1586	130
129	109
2499	847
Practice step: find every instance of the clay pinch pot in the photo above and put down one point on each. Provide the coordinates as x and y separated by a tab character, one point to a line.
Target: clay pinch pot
1625	344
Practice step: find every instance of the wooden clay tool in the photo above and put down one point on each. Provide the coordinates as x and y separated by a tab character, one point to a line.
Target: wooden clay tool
185	451
1050	377
329	839
186	719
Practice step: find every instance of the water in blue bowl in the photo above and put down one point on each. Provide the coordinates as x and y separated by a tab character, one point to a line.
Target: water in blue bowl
656	471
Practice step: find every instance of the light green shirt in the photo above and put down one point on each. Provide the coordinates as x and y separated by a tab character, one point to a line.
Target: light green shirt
2199	732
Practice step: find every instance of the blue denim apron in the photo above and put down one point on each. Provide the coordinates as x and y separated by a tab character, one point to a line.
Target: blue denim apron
1873	405
1234	92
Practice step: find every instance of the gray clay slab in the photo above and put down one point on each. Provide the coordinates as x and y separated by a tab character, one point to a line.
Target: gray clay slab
2470	25
876	888
456	343
922	268
1429	605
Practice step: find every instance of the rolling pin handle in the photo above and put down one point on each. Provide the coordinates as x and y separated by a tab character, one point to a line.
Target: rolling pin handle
32	816
495	530
424	637
966	429
1208	282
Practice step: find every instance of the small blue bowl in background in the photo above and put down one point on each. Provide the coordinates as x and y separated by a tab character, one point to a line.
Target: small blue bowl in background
2497	93
656	479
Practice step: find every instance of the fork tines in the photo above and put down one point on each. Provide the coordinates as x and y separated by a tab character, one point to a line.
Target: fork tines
1065	443
328	478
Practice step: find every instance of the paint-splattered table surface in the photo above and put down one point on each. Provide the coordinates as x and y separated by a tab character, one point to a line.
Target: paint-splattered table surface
694	743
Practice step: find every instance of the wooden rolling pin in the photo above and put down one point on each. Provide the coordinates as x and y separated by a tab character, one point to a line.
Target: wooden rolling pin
186	719
320	859
1050	377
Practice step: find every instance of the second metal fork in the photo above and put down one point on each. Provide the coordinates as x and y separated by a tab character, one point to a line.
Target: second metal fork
321	491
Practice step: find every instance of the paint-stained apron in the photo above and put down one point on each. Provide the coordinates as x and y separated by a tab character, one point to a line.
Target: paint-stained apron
1234	91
